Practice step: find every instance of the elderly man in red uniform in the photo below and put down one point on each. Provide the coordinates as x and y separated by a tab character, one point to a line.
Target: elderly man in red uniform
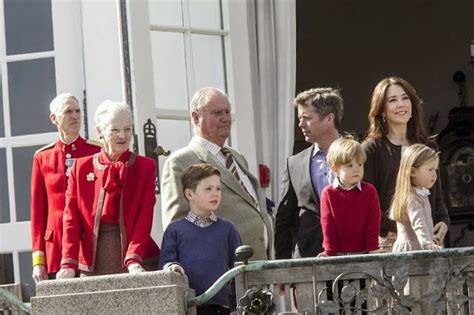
51	168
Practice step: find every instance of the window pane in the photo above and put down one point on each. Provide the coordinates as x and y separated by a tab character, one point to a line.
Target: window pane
206	14
181	136
4	203
169	69
208	61
166	12
6	269
22	162
27	283
28	26
32	86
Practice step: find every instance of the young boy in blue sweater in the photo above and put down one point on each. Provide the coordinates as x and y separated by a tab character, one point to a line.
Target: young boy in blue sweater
201	245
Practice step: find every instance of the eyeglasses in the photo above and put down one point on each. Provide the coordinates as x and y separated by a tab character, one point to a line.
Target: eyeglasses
115	131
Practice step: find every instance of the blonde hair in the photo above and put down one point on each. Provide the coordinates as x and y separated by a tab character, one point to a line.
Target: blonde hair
343	150
415	156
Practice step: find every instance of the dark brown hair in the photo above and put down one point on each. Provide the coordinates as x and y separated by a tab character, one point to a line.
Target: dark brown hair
378	128
324	101
193	174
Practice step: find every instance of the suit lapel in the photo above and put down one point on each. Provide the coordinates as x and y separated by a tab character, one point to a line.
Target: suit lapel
253	181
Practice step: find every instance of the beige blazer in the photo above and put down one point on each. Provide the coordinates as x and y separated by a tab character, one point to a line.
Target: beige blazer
254	225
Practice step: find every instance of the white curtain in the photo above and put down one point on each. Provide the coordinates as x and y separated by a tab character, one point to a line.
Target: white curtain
275	30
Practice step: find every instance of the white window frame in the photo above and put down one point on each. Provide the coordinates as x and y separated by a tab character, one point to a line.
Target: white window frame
239	75
15	237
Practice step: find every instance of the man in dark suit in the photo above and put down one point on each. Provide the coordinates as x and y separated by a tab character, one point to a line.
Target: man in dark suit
297	227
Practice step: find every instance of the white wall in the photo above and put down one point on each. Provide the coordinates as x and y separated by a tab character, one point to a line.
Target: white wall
102	55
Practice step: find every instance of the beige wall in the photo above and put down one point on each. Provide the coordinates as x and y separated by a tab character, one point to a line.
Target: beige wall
353	44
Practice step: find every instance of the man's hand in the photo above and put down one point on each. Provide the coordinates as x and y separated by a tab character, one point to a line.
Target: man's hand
176	268
66	273
39	273
440	230
134	268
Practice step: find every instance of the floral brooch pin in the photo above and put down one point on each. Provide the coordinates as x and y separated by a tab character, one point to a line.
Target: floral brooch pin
90	177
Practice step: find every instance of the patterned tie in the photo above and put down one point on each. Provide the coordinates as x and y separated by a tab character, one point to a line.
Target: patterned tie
232	167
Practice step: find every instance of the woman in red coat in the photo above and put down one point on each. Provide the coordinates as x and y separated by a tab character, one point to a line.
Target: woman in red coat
109	204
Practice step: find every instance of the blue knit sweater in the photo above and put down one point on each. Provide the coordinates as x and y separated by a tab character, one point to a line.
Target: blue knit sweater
204	253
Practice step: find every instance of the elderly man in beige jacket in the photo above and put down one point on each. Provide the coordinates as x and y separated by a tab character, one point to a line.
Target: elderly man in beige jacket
243	202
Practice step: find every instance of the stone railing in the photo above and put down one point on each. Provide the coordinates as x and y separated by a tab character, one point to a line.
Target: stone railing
418	282
10	300
157	292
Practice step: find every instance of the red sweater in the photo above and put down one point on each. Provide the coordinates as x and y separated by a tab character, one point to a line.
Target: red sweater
350	219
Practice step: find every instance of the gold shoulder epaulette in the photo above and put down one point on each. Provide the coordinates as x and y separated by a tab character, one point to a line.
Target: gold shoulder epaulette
94	142
45	147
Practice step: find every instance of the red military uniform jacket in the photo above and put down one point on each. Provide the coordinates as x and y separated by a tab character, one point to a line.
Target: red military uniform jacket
84	204
48	186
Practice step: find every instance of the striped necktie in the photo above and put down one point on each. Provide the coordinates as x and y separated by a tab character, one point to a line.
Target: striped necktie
232	167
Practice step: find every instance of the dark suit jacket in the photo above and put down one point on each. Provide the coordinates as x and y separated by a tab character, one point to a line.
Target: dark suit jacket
297	218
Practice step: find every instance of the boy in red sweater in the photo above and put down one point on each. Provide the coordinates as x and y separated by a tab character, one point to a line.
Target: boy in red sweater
350	211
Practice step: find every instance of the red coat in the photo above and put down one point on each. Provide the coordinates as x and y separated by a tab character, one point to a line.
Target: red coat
84	205
48	187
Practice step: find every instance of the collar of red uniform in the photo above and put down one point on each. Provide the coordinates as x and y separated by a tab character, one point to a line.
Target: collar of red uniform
64	146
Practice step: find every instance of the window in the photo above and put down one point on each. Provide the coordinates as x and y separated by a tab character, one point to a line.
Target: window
37	57
188	49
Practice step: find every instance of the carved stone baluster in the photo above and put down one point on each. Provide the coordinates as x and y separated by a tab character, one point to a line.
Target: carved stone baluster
470	290
372	302
358	286
283	298
416	287
304	294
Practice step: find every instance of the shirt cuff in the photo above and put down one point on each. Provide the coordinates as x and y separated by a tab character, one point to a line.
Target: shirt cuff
70	266
167	265
131	261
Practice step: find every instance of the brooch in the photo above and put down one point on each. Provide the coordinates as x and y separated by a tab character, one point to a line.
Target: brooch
90	177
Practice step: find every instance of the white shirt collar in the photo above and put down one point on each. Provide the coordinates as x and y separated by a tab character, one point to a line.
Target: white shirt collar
422	191
213	148
316	149
336	183
200	221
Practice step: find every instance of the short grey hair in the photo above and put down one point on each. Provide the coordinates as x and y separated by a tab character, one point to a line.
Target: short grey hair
109	109
201	97
58	102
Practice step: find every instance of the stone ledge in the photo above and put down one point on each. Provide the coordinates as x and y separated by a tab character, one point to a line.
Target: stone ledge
110	282
157	292
153	300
